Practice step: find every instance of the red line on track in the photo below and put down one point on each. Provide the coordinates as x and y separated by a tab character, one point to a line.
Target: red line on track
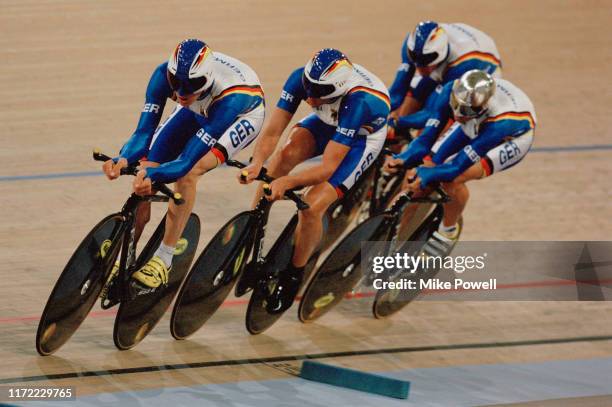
234	303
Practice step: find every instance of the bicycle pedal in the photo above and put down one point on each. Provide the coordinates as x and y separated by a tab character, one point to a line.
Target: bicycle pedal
107	303
138	289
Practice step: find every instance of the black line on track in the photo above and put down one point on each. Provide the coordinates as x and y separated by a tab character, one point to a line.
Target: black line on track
289	358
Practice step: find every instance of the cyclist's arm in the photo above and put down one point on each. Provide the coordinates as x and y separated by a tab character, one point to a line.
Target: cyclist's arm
418	119
489	138
421	146
158	91
271	133
403	77
414	121
291	96
221	115
452	144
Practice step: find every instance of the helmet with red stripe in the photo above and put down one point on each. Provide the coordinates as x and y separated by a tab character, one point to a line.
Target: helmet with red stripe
190	67
327	74
428	44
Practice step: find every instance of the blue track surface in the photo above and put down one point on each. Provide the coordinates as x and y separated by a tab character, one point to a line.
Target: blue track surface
472	385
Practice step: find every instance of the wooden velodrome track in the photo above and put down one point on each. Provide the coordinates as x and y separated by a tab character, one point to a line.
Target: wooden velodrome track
73	76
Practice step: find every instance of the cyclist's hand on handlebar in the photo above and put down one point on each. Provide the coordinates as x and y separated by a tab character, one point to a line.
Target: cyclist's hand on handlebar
392	165
113	170
413	181
278	187
142	185
251	171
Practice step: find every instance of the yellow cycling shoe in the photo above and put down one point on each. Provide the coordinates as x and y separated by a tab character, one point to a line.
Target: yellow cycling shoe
153	274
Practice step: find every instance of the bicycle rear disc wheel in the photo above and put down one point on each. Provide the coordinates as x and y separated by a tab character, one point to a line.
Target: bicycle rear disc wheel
340	271
79	285
212	276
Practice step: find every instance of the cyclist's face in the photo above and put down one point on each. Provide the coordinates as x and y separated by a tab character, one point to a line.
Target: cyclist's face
186	100
315	102
426	70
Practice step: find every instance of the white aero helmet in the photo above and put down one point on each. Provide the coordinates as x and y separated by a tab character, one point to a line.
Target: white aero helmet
327	74
471	94
428	44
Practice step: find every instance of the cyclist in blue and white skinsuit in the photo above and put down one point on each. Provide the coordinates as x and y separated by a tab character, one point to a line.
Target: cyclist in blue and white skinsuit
347	127
221	110
433	55
493	131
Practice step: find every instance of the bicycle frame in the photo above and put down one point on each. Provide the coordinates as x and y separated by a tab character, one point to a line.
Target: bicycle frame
126	231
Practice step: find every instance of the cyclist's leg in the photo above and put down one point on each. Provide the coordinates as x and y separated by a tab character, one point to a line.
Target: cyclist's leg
238	136
163	148
143	213
301	145
310	226
167	144
500	158
448	143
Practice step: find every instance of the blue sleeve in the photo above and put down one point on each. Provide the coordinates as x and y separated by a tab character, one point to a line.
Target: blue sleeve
221	115
448	171
424	88
418	119
353	113
403	77
194	150
451	144
158	91
421	146
488	139
414	121
293	92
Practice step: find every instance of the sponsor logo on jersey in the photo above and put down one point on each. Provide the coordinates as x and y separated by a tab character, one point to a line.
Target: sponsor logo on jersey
509	151
150	107
334	115
364	165
206	138
432	123
379	121
287	96
404	68
240	132
345	132
472	155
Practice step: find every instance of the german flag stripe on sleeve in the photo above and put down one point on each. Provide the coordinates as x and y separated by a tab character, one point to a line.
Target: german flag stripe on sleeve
483	56
513	116
240	89
372	92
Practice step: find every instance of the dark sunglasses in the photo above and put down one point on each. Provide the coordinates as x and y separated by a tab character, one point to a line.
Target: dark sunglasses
188	87
422	60
316	90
